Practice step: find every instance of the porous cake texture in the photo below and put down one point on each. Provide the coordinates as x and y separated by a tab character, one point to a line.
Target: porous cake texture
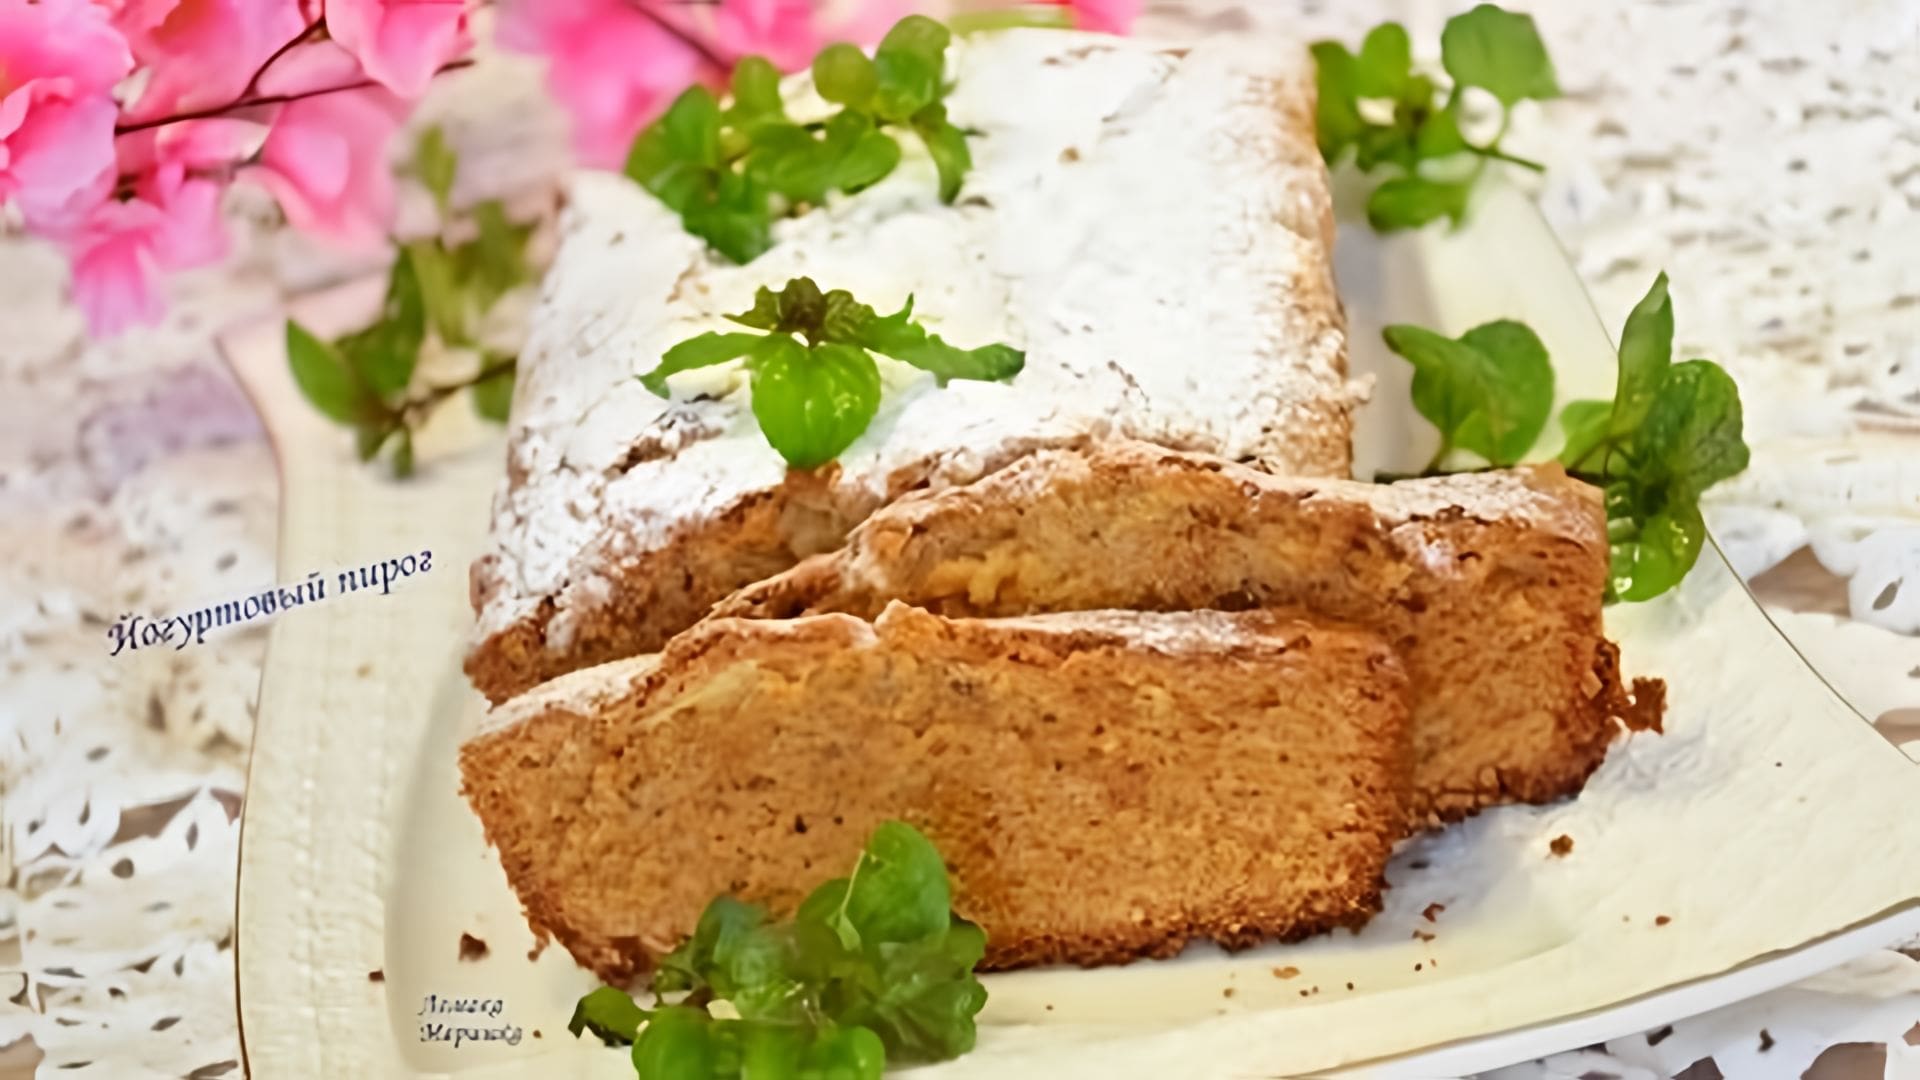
1151	224
1103	785
1488	585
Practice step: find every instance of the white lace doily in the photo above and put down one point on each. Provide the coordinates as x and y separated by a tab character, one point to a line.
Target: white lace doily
1766	155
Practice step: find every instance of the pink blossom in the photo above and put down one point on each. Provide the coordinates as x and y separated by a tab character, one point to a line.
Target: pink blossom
59	61
783	31
203	53
326	160
1110	16
400	43
610	64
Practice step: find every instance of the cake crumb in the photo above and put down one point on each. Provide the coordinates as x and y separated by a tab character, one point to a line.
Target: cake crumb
1661	920
364	670
472	948
1423	935
1417	967
1227	993
1303	993
1766	1041
1287	972
1349	986
1655	1038
536	1033
1433	911
1049	1008
1561	847
377	975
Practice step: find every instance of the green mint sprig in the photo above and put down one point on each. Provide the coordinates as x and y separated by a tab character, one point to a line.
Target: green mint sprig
1671	431
731	172
815	383
873	967
1495	50
435	290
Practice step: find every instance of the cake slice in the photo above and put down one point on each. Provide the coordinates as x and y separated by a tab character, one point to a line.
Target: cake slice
1150	224
1488	585
1103	785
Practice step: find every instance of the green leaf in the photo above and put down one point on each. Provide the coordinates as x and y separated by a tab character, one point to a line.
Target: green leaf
493	395
803	308
369	438
1585	424
792	163
403	453
610	1014
692	127
772	1051
1489	392
694	963
845	1053
899	337
908	67
948	145
1646	351
843	75
1408	202
704	351
1385	61
1500	52
324	378
928	996
1690	438
678	1043
1439	135
385	353
1337	119
756	89
918	35
861	155
435	164
445	302
898	890
812	403
495	260
737	221
1656	552
765	314
845	319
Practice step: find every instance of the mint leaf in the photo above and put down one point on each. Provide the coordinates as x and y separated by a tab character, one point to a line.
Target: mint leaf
765	313
1690	438
704	351
928	996
1385	61
1489	392
1408	202
1646	351
793	163
812	403
493	395
845	1053
908	67
843	75
1585	424
948	145
1337	120
679	1043
1652	549
756	90
736	220
899	337
322	375
434	163
610	1014
1500	52
898	890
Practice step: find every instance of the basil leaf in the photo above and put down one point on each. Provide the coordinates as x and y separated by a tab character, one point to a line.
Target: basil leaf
435	164
692	127
1646	351
812	403
843	75
493	395
1690	438
1490	392
704	351
1585	424
1408	202
1337	120
1500	52
610	1014
1654	550
1385	61
948	145
899	337
898	891
324	379
844	318
803	308
679	1042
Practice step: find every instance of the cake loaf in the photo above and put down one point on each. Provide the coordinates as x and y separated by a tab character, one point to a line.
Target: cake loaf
1103	785
1150	224
1489	586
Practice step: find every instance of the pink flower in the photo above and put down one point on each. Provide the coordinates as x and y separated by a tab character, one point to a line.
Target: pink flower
326	157
203	53
400	43
59	61
170	221
1109	16
783	31
610	64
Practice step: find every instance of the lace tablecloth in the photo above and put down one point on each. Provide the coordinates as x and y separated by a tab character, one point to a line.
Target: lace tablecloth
1766	155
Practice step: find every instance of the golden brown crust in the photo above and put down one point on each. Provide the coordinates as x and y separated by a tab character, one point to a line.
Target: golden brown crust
1104	787
1489	585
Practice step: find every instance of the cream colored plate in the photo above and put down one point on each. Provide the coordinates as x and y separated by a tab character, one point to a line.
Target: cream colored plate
1769	834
